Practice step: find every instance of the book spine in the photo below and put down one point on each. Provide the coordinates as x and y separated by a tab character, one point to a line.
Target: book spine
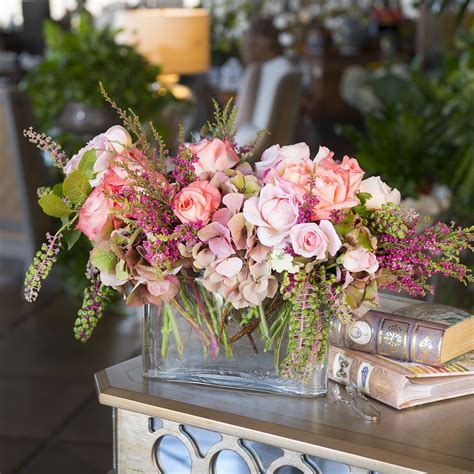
390	335
373	379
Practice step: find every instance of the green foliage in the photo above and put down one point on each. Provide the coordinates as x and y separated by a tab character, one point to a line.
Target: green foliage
422	133
74	64
54	206
71	237
86	165
76	188
103	260
223	126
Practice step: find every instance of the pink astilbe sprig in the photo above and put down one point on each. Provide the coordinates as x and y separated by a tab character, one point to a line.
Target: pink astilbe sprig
41	266
414	258
48	145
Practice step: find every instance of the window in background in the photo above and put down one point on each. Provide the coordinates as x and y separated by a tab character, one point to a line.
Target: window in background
11	16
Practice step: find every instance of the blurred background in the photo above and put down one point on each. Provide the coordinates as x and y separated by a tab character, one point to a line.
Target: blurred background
389	82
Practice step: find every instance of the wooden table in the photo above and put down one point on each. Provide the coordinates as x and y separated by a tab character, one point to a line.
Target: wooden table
311	434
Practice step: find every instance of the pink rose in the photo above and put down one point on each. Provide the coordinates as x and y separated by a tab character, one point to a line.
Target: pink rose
291	175
313	240
275	154
360	260
336	183
107	146
94	213
196	202
97	208
274	212
214	155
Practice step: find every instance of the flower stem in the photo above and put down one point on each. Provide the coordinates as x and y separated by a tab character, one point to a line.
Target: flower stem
165	331
175	329
263	322
202	335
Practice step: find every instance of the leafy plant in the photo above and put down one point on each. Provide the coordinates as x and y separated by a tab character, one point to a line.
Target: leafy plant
74	64
422	132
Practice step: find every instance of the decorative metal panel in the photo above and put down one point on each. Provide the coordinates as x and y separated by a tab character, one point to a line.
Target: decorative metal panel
140	440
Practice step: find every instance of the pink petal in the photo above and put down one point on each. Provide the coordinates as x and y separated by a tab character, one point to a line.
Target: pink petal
271	237
220	247
334	242
229	267
233	201
251	212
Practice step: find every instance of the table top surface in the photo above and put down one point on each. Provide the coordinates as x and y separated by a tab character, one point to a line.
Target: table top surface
438	437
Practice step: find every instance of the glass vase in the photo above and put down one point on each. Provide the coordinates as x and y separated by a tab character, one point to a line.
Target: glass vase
198	338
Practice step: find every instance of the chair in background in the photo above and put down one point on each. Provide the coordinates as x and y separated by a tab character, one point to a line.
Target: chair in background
22	224
268	99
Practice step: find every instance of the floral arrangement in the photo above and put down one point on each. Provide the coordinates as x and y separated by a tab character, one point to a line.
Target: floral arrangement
309	236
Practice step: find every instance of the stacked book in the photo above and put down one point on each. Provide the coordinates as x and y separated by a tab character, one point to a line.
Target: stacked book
406	353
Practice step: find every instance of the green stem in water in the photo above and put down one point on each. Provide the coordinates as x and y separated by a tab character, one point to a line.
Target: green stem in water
175	329
263	321
192	322
165	331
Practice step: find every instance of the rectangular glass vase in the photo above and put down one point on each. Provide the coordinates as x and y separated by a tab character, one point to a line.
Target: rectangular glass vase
173	348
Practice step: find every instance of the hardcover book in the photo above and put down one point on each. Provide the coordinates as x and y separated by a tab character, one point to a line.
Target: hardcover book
401	384
409	330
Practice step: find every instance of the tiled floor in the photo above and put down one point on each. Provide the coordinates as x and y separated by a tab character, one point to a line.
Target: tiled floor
50	420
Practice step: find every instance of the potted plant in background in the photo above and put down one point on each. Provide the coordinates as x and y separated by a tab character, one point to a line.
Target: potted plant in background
417	129
64	88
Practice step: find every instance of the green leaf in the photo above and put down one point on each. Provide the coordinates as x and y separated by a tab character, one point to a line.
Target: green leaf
58	189
86	165
121	270
363	197
344	228
71	237
76	188
364	241
54	206
103	260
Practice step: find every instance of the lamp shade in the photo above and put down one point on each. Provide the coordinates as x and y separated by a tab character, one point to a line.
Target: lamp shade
176	39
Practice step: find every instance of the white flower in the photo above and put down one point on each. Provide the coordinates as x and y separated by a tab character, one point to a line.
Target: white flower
280	261
381	193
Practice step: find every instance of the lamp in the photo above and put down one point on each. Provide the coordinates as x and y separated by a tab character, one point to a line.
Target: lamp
176	39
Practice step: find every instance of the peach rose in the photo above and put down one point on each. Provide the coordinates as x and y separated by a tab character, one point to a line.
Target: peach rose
214	155
272	156
291	175
313	240
336	183
274	213
196	202
360	260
